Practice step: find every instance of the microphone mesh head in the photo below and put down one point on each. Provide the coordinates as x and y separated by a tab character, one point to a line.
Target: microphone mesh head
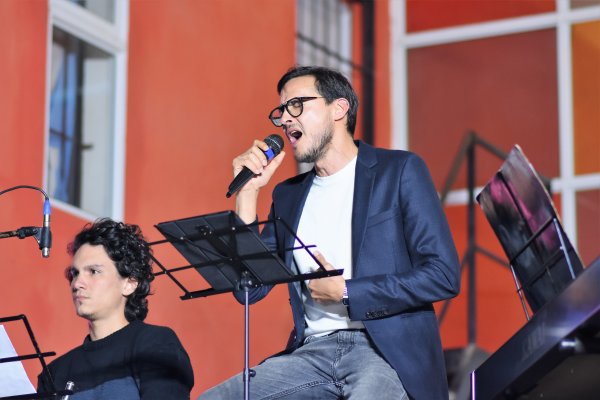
275	142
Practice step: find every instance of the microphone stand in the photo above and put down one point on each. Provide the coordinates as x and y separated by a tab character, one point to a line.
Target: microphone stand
24	232
42	235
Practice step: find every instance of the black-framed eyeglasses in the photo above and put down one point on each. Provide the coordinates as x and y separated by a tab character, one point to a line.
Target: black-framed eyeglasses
294	107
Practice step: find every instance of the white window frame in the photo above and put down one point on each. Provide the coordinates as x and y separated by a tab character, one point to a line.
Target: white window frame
567	184
113	39
335	34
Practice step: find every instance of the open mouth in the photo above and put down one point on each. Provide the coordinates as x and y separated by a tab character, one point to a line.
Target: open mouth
293	135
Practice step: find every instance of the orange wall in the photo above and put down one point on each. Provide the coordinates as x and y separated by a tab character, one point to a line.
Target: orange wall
202	79
382	102
29	284
586	97
194	103
498	310
432	14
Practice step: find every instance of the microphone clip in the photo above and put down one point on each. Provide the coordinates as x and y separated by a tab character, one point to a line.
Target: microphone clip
23	232
42	235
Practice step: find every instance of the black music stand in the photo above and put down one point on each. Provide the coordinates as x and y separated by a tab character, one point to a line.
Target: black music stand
231	257
39	355
521	213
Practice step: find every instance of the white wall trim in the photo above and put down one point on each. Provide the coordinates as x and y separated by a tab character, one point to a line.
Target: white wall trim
579	183
399	76
565	118
47	102
568	184
78	212
120	122
502	27
93	29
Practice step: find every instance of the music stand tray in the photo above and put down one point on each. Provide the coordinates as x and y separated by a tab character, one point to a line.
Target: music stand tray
39	355
231	257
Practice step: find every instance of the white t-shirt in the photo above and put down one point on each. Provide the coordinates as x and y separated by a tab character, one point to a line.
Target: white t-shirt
326	222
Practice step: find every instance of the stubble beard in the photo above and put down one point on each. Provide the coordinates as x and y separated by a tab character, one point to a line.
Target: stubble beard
85	315
319	147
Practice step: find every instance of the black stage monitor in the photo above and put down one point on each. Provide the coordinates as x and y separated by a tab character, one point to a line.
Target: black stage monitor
521	213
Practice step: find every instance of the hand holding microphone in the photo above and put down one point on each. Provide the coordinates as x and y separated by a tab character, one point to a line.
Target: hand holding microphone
253	161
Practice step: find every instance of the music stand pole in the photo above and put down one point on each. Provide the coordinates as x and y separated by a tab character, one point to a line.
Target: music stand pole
245	283
231	257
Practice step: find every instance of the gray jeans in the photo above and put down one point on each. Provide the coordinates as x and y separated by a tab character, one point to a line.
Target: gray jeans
342	365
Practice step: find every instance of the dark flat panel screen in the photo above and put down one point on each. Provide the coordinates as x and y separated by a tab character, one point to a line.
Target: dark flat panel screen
522	215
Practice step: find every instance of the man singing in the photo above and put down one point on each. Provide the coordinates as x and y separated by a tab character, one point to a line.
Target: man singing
371	333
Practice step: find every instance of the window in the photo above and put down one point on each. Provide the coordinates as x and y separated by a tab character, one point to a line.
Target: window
86	103
325	34
525	72
80	123
324	38
103	8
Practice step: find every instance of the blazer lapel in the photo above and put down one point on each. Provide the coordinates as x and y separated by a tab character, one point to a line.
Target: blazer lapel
363	189
291	208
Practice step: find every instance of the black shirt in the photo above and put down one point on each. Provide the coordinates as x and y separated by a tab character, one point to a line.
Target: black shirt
139	361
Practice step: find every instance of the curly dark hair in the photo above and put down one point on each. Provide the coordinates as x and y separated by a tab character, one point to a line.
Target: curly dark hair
126	246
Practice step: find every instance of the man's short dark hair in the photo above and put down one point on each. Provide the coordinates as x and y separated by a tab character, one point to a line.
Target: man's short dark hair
330	84
130	252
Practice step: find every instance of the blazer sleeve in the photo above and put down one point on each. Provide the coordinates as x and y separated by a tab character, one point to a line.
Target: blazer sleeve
425	266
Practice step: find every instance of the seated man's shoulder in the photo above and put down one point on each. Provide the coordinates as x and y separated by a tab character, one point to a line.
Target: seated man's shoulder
159	330
66	358
153	335
59	368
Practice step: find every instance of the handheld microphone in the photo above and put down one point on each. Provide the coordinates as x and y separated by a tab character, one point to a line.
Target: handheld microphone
46	234
275	143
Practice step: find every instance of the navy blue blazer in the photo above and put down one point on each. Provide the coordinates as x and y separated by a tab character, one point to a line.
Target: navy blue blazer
403	260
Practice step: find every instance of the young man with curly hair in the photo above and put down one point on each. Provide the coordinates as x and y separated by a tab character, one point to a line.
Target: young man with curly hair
122	357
